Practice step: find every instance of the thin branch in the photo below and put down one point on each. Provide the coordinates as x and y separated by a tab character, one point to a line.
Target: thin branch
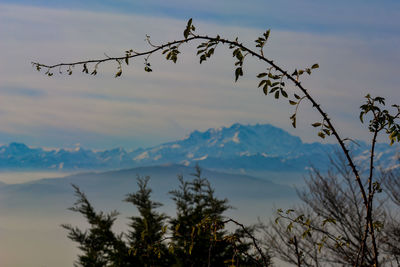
253	239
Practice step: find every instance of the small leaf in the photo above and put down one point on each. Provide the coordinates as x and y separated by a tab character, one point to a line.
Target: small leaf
361	117
322	135
263	74
239	56
118	73
265	89
274	88
315	66
289	211
85	70
291	102
320	245
316	124
327	132
262	82
293	118
238	72
186	33
290	227
266	34
203	58
188	28
277	94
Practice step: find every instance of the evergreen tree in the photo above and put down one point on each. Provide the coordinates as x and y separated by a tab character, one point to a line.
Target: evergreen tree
197	230
100	246
147	230
197	235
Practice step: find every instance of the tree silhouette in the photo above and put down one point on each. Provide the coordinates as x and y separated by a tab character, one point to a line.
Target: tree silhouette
197	235
100	246
148	230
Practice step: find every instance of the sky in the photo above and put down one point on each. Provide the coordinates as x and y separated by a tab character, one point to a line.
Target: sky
356	44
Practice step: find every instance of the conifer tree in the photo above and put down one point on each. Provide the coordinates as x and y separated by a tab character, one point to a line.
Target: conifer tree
100	246
197	235
197	229
147	230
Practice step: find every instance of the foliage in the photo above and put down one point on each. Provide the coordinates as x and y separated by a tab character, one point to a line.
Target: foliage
328	227
197	206
147	230
100	246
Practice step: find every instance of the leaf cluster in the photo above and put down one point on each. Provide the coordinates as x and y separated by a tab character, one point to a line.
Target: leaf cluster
381	119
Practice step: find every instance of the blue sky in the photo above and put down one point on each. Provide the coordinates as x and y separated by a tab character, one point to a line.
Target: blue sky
355	42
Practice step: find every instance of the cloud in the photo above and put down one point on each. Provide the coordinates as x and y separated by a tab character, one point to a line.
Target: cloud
29	92
142	109
357	16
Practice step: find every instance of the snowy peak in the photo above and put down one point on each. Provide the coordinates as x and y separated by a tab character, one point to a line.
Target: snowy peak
239	139
237	146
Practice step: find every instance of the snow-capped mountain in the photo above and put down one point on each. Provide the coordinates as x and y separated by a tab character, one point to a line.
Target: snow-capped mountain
239	147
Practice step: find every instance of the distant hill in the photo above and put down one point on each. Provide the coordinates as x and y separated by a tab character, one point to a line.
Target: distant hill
260	147
108	189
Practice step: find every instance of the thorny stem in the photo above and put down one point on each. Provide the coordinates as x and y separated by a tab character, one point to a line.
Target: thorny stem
102	60
371	196
368	216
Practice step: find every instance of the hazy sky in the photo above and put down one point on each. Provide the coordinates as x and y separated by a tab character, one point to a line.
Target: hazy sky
355	42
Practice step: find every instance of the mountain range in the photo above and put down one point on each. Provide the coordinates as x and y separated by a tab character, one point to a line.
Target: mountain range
259	147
